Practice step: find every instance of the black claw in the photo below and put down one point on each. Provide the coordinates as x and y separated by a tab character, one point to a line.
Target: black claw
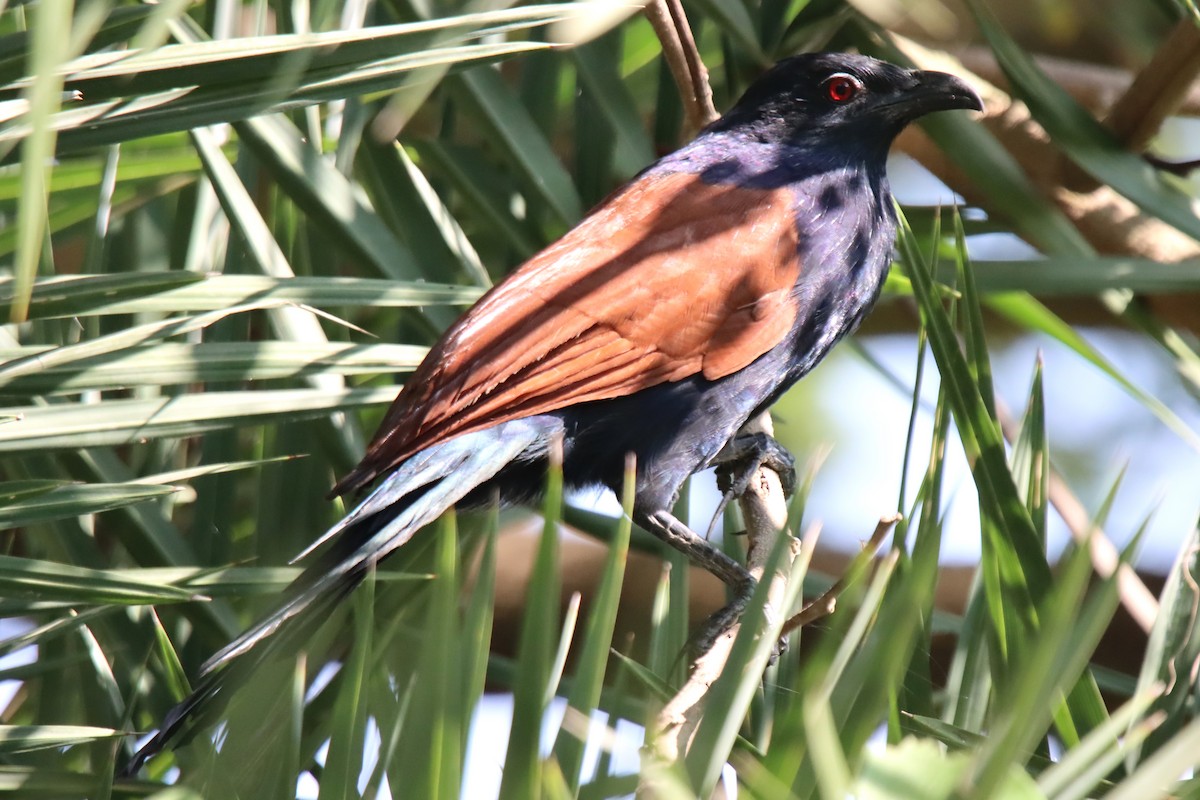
778	650
744	455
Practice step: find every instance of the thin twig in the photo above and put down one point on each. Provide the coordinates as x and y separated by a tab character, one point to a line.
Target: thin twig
825	604
683	59
701	91
1173	167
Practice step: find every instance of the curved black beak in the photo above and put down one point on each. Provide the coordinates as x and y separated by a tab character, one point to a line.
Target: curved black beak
938	91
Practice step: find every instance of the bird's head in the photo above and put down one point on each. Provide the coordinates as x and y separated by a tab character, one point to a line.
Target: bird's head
841	97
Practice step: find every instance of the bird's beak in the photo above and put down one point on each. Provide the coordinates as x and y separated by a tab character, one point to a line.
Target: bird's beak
938	91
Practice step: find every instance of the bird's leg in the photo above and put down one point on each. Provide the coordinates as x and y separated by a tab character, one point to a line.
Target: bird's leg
736	465
700	551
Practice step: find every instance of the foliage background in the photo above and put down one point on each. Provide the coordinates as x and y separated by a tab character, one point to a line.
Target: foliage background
204	211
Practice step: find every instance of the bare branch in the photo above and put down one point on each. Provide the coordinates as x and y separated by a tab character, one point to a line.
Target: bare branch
1111	223
764	509
1094	86
1159	89
825	604
683	59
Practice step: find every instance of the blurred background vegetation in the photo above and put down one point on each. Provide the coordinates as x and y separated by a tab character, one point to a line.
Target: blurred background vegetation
228	230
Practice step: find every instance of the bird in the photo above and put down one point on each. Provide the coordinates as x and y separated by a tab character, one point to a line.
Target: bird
683	305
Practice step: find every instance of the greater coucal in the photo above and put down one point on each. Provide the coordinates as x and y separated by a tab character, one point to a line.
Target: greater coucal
686	303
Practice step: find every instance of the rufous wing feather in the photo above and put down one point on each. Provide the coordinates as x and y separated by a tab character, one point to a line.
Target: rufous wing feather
671	277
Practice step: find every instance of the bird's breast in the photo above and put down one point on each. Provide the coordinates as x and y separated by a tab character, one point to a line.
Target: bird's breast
845	229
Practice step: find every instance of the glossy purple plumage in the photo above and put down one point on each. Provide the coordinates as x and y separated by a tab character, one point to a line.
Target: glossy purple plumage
680	308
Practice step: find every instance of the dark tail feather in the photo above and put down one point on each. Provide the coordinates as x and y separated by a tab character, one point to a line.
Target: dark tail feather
412	496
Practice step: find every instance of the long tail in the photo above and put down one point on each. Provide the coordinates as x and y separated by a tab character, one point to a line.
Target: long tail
412	496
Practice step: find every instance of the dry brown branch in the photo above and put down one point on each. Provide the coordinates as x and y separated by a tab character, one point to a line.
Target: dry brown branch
825	604
764	510
1109	222
1137	599
763	504
1094	86
1160	88
1155	93
701	92
683	59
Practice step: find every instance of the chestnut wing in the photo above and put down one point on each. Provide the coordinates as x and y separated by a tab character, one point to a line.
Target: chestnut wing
670	278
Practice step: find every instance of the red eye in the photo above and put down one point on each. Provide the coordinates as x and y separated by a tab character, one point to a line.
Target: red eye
841	88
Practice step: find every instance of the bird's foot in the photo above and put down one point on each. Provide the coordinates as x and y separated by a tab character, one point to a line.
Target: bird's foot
778	650
723	621
740	459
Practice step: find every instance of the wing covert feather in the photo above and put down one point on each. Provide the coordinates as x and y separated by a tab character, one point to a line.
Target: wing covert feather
669	278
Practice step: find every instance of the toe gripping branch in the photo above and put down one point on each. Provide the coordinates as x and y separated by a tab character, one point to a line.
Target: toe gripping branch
739	461
737	465
713	643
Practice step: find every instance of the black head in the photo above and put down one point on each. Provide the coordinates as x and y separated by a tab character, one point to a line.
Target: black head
843	97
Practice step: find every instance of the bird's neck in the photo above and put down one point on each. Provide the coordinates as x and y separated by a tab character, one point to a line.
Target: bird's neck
848	224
